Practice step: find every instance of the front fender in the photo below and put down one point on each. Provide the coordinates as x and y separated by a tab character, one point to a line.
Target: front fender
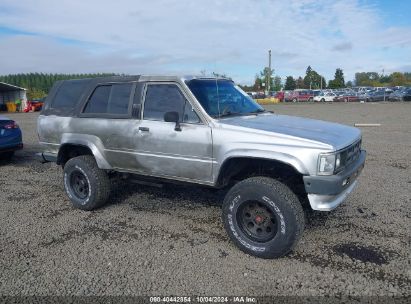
276	156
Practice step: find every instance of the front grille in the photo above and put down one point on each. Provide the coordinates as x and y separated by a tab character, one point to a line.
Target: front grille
350	154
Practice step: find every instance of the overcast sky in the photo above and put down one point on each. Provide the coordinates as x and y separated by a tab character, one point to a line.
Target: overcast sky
188	36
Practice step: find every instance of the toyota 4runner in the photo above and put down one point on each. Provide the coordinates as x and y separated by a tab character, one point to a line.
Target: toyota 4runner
204	131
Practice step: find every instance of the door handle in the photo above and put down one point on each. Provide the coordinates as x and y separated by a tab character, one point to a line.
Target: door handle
144	129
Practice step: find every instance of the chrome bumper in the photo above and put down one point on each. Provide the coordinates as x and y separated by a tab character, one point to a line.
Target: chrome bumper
329	202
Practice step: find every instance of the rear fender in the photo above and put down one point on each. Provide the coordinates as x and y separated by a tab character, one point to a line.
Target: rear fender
92	142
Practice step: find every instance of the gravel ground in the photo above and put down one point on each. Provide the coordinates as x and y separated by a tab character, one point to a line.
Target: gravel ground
151	241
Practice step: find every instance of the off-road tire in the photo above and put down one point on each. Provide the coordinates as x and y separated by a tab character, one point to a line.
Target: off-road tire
96	183
275	197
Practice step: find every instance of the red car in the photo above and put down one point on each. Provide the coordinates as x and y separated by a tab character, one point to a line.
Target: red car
300	95
279	95
34	105
346	97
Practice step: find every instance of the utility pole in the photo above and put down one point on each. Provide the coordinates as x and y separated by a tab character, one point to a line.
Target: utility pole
268	75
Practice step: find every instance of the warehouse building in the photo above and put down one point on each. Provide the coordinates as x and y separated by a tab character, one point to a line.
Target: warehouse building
11	93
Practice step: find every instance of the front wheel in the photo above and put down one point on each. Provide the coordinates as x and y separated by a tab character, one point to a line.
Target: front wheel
87	186
263	217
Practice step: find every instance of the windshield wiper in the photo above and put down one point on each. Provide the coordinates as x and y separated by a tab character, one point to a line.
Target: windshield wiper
229	113
226	114
257	111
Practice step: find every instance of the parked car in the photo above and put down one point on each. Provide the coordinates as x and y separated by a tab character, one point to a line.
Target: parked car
301	95
203	131
347	97
325	96
279	95
398	95
37	104
10	137
407	95
377	95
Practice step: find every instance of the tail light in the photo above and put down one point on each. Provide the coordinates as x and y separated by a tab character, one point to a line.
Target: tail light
11	125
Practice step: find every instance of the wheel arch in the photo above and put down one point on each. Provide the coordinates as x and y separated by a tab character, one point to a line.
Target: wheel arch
240	167
69	150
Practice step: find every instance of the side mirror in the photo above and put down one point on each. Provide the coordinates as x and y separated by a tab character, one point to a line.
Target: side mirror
173	117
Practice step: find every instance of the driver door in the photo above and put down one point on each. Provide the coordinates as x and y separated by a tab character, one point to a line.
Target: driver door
165	150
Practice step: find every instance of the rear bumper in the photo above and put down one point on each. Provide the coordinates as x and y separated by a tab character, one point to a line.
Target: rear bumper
10	148
45	157
327	192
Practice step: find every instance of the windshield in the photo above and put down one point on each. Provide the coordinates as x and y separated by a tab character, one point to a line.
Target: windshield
222	97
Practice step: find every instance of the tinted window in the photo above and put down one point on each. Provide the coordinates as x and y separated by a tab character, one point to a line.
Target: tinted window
110	99
189	115
137	99
119	98
69	93
99	100
162	98
222	97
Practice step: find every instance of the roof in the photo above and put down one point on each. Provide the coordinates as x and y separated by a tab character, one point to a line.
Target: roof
9	87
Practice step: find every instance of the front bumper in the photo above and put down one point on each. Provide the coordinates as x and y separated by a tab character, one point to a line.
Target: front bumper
327	192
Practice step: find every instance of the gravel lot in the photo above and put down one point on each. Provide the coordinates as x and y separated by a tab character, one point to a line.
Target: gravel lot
170	241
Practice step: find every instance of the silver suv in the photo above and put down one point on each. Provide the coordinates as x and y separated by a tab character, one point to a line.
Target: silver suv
205	131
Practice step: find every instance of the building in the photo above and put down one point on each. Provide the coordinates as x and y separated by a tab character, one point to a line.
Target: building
10	93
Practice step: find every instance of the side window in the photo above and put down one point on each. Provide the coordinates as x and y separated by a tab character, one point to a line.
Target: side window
119	98
99	100
162	98
69	94
110	99
137	100
189	115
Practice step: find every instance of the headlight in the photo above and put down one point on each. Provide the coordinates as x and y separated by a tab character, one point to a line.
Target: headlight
326	164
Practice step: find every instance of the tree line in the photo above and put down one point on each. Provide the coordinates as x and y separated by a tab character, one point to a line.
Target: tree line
39	84
313	80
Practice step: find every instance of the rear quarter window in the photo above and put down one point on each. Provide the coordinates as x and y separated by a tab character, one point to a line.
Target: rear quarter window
68	94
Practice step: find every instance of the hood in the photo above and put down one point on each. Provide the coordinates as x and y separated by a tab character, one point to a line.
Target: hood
336	135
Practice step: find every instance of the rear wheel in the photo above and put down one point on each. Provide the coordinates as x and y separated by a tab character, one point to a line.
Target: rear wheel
322	100
263	217
294	99
87	186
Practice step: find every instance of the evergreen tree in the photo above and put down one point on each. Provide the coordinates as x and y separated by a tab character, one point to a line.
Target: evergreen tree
338	81
290	83
300	83
39	82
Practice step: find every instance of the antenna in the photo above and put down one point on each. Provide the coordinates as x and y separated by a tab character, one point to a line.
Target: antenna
218	96
216	84
269	72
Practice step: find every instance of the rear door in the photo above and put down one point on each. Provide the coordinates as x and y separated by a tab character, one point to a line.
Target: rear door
108	118
164	150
